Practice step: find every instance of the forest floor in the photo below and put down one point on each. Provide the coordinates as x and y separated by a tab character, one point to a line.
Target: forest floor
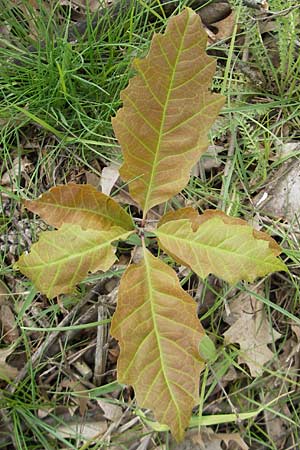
60	81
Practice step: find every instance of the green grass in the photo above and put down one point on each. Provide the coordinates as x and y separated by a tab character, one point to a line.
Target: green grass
56	105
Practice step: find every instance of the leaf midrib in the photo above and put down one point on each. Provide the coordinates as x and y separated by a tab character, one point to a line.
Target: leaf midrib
81	209
76	255
204	246
156	331
160	136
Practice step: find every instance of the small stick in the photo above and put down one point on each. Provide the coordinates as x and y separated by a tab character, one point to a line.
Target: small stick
101	346
221	203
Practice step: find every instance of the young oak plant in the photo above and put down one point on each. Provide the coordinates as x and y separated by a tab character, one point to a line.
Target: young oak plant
162	128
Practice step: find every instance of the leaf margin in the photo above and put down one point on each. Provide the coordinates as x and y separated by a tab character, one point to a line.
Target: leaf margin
136	180
193	224
104	211
63	240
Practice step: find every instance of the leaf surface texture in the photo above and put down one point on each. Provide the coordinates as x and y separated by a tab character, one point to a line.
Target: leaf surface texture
221	245
167	112
62	258
159	333
80	204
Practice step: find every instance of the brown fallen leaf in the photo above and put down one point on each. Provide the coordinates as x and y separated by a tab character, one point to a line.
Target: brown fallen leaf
83	432
93	179
4	293
280	198
225	27
19	167
9	330
296	330
210	158
7	372
250	328
109	176
291	353
81	398
277	417
207	439
214	12
111	412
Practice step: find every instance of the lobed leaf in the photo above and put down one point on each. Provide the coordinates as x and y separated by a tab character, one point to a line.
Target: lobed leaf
197	219
159	334
216	243
167	112
62	258
252	330
80	204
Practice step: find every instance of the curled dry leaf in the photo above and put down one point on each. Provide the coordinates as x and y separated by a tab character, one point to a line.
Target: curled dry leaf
92	179
281	197
9	328
225	27
251	329
109	176
7	372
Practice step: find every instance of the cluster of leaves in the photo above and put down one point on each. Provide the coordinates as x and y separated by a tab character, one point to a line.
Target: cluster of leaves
162	128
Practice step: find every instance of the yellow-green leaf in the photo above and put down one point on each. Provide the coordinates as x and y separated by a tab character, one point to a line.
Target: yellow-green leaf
159	335
197	219
80	204
167	112
62	258
221	245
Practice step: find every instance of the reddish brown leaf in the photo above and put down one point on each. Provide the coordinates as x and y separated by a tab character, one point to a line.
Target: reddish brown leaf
159	334
167	112
80	204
